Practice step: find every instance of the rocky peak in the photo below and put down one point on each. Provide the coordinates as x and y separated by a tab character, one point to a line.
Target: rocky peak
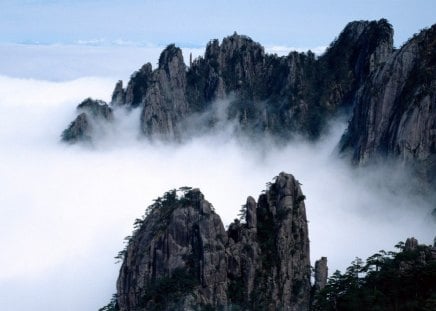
394	110
181	258
164	102
175	260
281	96
212	49
118	95
320	276
411	244
171	57
349	60
241	62
92	114
96	108
77	130
138	86
251	216
321	273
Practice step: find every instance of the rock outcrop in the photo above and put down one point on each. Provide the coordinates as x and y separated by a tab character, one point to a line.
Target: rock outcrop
395	109
320	279
92	113
181	258
321	273
281	96
391	92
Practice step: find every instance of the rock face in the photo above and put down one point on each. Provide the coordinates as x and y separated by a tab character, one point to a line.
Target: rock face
181	258
180	249
321	273
92	112
281	96
395	109
277	95
392	94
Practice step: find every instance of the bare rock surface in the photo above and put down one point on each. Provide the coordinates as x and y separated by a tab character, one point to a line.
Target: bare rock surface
91	114
181	258
267	94
395	110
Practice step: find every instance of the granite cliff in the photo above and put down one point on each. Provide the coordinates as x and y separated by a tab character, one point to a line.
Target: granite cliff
388	93
395	109
180	257
92	115
281	96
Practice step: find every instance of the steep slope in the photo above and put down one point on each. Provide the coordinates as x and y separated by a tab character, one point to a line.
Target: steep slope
281	96
92	115
395	109
181	258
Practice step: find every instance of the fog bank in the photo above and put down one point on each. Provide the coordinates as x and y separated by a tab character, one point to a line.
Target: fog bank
66	209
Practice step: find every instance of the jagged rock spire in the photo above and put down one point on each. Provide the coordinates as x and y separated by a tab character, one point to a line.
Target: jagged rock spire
181	258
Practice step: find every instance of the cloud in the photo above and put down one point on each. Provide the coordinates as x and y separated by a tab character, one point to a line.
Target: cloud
66	209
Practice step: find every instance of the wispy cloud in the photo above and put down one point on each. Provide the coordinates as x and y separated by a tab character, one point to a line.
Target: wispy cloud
65	209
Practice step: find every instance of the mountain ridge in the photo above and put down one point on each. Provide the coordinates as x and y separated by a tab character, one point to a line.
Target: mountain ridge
264	94
180	257
264	85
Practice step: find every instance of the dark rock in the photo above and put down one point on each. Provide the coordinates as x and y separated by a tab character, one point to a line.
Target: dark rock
118	95
395	110
283	281
320	276
165	103
179	236
392	93
281	96
251	216
138	86
91	113
287	95
96	109
321	273
181	258
411	244
78	130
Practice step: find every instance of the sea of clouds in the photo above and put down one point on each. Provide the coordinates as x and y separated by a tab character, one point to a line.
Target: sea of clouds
65	209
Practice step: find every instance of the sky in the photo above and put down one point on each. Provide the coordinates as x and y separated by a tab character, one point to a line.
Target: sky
64	210
192	23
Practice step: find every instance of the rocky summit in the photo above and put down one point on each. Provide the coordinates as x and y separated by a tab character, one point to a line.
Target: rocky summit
92	113
266	93
388	94
395	109
180	257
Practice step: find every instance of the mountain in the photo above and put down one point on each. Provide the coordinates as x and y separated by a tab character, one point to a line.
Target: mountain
93	114
266	93
180	257
389	95
395	109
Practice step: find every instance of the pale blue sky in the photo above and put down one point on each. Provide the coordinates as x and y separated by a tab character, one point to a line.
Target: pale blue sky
305	24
